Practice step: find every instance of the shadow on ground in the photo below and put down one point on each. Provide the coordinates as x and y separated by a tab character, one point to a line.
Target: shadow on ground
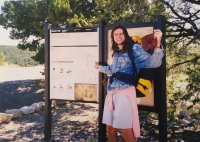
31	127
16	94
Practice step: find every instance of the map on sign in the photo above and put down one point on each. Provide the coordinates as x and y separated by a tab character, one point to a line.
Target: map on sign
72	72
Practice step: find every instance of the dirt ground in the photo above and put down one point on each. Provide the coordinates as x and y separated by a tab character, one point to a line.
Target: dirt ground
20	86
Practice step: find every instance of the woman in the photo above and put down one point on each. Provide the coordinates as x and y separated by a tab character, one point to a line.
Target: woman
120	109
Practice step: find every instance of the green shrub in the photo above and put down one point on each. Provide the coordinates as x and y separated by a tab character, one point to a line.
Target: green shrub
2	59
13	55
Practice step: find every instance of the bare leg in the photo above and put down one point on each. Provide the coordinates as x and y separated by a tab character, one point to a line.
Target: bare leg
128	135
112	134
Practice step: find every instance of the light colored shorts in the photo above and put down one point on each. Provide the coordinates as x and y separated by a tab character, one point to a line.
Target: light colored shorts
122	115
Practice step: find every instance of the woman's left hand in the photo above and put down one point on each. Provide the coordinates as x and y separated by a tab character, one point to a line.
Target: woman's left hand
96	65
158	35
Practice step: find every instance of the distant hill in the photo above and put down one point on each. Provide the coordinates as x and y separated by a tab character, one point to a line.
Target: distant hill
13	55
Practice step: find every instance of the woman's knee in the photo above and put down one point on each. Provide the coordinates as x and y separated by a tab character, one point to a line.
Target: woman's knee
110	130
127	132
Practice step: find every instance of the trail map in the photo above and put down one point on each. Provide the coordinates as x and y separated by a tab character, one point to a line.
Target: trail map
72	72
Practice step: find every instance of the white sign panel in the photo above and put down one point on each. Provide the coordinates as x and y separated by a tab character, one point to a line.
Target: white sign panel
72	57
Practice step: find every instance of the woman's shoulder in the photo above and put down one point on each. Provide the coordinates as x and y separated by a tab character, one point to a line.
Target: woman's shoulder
136	46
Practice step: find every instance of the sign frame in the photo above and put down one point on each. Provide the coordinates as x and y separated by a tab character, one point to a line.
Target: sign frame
159	81
48	115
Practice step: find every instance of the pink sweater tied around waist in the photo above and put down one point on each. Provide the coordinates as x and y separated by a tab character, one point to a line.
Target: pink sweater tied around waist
130	92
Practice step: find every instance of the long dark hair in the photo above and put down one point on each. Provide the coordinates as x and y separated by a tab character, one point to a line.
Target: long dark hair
126	44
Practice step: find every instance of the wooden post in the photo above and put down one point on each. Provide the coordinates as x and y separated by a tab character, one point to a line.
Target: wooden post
102	127
160	80
48	119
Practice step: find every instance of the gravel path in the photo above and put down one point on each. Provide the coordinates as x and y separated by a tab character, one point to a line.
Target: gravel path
78	122
70	122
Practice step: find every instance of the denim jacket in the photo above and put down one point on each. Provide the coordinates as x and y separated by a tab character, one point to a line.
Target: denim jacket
122	63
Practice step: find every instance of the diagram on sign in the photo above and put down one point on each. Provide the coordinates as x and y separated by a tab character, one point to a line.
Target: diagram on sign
87	56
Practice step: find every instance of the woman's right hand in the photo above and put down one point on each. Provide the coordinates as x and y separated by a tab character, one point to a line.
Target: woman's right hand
96	65
158	34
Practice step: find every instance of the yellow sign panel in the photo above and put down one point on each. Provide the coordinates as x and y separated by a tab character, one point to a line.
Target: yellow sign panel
85	92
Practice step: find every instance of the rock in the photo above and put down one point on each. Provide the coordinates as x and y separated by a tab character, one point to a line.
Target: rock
184	114
53	103
43	104
27	110
85	133
16	112
184	121
197	122
38	106
188	103
60	102
40	90
6	117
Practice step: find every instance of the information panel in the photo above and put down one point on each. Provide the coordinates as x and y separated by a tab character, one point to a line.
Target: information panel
72	56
